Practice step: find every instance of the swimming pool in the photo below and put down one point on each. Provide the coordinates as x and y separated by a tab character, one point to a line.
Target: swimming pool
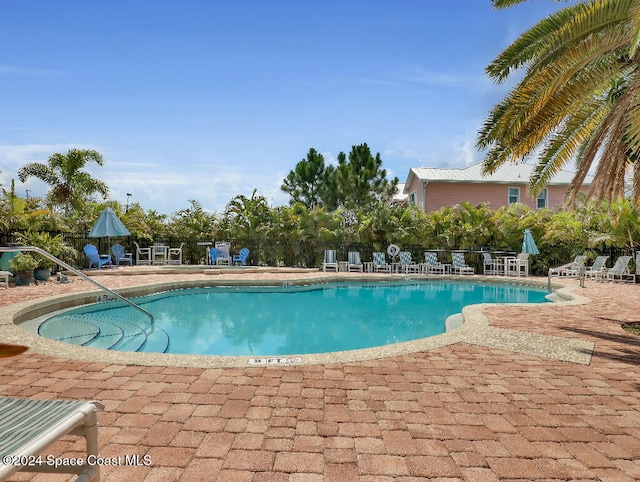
280	320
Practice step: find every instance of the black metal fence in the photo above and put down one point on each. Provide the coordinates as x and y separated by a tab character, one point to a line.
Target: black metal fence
304	253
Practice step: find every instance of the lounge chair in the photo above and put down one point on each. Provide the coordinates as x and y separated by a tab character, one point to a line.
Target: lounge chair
619	271
431	264
518	266
407	265
96	258
354	263
241	257
30	426
380	262
174	255
224	248
4	278
120	256
572	269
330	262
214	253
597	267
143	255
459	265
491	266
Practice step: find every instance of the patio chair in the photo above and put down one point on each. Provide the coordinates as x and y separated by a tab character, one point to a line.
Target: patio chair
459	265
30	426
241	257
120	256
214	253
143	255
407	265
518	266
224	249
330	262
380	262
4	278
96	258
174	255
354	263
619	271
572	269
490	266
597	267
431	264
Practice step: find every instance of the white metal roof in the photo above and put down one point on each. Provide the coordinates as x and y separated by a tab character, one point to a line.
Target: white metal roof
507	174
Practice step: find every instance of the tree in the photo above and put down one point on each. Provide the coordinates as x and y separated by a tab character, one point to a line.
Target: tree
305	184
578	101
70	186
360	182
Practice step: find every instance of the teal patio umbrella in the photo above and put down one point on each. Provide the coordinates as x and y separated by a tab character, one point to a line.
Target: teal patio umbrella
108	225
528	244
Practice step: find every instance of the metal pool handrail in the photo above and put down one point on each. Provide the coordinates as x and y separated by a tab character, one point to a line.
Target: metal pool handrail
42	252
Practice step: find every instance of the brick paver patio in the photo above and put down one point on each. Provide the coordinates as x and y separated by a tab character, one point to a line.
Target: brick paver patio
461	412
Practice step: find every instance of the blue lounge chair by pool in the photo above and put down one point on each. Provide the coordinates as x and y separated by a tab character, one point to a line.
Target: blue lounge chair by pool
459	264
96	258
241	257
120	255
29	426
214	254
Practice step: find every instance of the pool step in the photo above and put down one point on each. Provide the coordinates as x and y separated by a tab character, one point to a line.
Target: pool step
104	332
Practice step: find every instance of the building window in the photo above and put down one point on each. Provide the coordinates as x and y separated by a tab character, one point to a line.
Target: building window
542	200
514	195
413	198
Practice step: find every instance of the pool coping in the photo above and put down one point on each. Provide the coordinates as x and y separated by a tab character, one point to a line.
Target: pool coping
475	330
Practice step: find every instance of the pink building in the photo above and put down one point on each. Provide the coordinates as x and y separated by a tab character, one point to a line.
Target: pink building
434	188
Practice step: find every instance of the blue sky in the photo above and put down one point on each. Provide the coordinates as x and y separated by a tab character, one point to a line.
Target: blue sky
208	99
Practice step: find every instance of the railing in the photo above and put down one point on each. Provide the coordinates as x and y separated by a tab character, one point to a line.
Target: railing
42	252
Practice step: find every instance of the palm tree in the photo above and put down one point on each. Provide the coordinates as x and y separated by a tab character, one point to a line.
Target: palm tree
578	101
63	172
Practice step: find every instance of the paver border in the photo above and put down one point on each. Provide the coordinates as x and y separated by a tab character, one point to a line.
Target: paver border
475	330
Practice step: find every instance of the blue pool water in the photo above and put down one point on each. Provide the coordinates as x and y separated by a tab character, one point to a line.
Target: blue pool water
278	320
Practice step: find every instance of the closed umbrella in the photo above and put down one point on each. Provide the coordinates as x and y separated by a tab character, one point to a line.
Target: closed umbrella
528	244
107	225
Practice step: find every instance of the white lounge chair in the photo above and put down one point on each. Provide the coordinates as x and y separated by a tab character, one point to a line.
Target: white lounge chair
330	262
597	267
572	269
619	271
459	264
30	426
431	264
354	263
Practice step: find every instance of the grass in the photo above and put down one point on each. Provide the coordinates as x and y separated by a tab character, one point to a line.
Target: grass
633	327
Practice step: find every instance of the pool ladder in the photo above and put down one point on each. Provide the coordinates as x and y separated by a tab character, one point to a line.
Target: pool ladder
42	252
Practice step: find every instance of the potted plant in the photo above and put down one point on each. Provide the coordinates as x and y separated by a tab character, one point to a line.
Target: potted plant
53	245
22	267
